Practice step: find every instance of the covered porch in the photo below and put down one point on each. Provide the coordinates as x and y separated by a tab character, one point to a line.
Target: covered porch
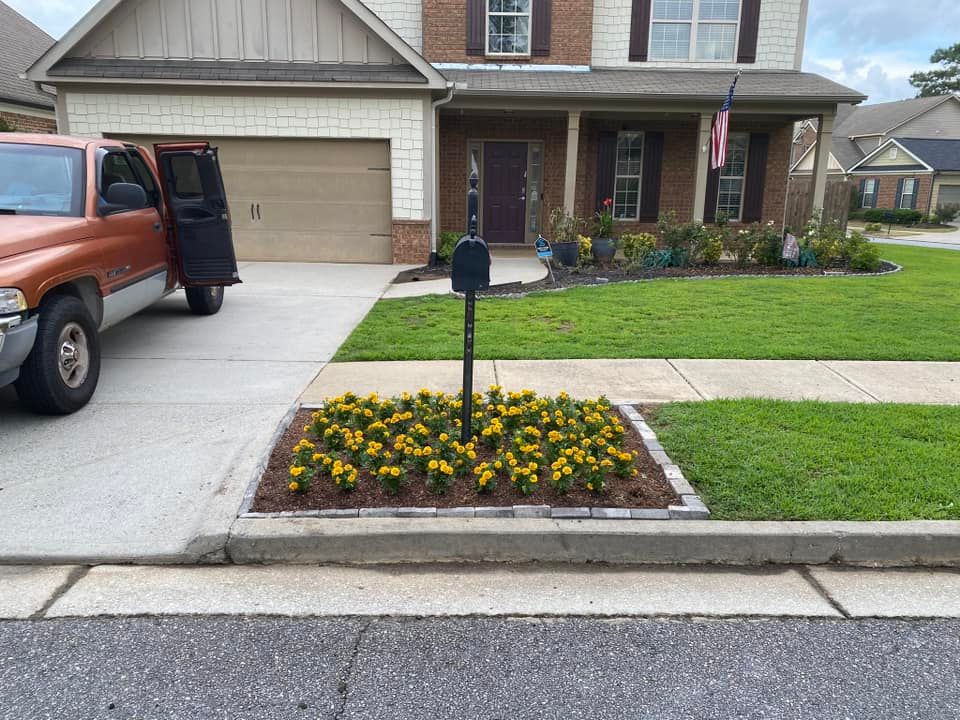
649	152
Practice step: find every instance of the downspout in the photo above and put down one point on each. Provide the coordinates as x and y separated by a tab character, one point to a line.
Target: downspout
435	190
933	184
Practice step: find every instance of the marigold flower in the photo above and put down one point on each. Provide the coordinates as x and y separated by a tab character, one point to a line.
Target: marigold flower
294	486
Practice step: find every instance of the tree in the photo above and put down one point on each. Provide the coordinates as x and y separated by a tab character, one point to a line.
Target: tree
942	81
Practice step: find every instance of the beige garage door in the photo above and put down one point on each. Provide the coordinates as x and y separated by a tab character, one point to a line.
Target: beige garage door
306	200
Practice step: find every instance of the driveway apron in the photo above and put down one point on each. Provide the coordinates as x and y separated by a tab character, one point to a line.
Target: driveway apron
155	467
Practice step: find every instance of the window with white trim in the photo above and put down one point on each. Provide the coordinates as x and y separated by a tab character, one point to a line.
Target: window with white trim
909	190
733	176
508	27
626	185
694	30
869	194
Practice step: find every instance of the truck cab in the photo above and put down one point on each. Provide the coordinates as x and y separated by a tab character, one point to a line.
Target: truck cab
92	232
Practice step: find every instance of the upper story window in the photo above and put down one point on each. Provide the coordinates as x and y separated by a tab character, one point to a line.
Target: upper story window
704	30
508	27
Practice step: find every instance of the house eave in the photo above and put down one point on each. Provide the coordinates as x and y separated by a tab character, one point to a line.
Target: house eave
68	82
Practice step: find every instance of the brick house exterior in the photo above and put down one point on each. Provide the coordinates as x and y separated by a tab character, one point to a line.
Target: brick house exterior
23	108
555	104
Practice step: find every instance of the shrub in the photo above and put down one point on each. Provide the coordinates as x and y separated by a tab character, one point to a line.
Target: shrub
708	248
768	249
872	227
740	244
680	238
585	252
636	248
946	213
897	217
448	241
866	258
6	127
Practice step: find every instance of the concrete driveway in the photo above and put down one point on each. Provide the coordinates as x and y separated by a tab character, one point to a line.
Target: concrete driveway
155	468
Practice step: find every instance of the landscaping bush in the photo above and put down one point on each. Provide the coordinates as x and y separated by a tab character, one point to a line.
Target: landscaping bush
897	217
681	239
564	227
768	248
859	253
740	245
521	438
873	227
946	213
585	253
448	241
636	248
708	247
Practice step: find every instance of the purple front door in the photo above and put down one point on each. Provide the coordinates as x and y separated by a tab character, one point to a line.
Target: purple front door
504	191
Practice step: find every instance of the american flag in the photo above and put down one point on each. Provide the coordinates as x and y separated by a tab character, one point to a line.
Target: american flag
721	129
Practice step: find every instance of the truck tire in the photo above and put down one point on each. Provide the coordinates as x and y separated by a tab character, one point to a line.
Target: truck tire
205	300
61	372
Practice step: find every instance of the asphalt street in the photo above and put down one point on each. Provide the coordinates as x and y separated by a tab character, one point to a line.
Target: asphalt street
494	668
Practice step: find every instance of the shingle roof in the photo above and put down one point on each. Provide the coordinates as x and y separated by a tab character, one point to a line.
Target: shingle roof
943	155
233	71
846	151
770	86
21	43
882	118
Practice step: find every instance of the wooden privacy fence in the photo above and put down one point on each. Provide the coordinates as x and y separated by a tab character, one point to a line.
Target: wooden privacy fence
836	202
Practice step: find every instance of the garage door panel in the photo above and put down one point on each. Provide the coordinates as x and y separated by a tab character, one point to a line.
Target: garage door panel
319	200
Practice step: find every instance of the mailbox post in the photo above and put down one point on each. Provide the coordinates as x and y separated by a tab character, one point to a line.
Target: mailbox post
470	272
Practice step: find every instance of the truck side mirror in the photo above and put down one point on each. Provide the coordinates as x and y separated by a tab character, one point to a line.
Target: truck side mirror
121	197
471	265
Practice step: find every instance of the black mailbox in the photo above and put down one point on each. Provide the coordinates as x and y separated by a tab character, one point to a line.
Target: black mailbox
471	265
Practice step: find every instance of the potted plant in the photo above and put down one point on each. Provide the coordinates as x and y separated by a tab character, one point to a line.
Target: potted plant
564	229
604	246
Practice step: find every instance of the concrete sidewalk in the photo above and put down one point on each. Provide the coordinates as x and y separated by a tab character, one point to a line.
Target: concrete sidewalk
497	591
658	381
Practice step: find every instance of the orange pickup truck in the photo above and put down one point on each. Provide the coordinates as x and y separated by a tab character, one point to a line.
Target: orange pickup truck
91	232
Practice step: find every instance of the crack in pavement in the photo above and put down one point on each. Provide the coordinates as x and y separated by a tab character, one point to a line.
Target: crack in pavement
73	577
343	684
805	573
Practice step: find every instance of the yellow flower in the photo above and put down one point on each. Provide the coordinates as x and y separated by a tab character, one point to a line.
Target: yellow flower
395	472
444	437
433	465
296	471
589	486
294	486
557	476
316	457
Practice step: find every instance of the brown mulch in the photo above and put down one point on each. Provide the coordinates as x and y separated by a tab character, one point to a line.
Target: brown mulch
649	489
617	272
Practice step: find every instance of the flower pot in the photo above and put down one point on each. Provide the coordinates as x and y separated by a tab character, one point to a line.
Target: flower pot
567	252
604	249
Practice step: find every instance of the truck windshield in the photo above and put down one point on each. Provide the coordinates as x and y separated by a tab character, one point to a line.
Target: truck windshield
41	180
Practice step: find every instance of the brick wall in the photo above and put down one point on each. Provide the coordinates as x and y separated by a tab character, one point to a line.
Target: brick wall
887	197
29	123
445	32
456	130
411	241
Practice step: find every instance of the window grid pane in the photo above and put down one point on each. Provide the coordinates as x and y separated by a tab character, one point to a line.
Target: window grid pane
508	27
719	9
670	41
626	196
731	197
673	10
715	41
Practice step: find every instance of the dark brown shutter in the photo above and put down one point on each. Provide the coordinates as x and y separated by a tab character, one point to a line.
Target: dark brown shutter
476	27
876	193
650	180
749	31
713	195
639	30
756	180
606	165
541	27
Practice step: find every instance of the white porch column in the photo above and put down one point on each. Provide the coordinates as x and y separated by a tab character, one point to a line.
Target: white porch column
573	149
703	167
821	160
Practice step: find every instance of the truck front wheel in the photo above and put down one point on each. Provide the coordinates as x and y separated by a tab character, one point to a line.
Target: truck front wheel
61	372
205	300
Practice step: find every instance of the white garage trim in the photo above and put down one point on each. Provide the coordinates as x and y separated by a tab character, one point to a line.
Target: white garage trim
399	120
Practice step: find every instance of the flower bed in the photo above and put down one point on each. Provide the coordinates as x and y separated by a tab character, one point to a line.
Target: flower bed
405	452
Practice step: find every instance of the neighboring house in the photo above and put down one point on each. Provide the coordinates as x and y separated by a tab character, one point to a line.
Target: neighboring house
347	130
22	106
899	154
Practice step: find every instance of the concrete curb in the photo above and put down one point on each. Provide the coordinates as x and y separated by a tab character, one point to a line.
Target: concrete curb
410	540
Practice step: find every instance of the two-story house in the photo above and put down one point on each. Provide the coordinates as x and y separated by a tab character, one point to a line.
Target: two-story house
347	130
23	106
900	155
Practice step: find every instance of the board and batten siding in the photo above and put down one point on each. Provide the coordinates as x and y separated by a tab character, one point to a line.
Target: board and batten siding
399	120
778	45
256	30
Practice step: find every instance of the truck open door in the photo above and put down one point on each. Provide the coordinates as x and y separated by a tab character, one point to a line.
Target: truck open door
197	208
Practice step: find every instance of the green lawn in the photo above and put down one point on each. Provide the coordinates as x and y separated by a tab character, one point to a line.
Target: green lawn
771	460
912	315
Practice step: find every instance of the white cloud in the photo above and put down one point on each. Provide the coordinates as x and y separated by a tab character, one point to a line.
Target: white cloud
54	16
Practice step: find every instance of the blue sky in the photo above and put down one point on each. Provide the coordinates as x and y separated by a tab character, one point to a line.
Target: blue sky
871	46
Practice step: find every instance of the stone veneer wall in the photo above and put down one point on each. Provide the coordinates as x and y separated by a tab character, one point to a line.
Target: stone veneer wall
400	120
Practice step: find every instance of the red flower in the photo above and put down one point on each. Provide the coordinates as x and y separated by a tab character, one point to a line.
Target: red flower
608	202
